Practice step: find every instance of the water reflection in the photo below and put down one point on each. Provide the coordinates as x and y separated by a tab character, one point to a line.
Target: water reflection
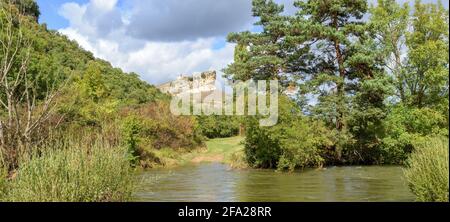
215	182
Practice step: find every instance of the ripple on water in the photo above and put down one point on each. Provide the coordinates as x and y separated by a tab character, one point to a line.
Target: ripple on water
216	182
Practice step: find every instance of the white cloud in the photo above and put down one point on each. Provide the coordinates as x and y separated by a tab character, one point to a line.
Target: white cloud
72	12
165	61
104	4
83	41
175	20
104	33
184	43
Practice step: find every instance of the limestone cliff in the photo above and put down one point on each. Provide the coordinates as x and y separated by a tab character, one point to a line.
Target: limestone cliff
203	83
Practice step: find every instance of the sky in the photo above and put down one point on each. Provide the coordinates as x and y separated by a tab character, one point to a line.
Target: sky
157	39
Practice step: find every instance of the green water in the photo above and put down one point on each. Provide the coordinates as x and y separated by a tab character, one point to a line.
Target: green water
216	182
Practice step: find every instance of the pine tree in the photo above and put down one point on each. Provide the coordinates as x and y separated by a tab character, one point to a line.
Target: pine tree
258	56
331	28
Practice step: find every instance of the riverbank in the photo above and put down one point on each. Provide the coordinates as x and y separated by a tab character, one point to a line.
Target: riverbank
209	174
229	151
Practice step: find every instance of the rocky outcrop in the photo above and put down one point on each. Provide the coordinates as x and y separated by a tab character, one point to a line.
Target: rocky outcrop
203	83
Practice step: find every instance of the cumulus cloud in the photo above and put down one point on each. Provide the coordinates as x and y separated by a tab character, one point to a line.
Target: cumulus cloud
160	40
165	61
96	18
102	27
174	20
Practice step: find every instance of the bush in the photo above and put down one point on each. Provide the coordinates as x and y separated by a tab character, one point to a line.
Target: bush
427	171
3	181
150	128
219	126
262	148
72	172
131	128
303	144
159	128
405	126
295	142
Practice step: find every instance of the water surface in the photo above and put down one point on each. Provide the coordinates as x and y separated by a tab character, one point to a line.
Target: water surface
216	182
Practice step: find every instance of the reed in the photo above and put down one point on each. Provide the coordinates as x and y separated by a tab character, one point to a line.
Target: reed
70	171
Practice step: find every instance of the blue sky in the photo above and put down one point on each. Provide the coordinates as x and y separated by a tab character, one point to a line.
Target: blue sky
50	8
157	39
49	12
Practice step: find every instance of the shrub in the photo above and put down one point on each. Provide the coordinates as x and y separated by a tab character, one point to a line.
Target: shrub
406	126
262	148
72	172
302	145
427	171
159	128
3	181
295	142
150	128
219	126
131	128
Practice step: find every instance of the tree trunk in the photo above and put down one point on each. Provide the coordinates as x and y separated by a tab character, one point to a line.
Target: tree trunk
340	85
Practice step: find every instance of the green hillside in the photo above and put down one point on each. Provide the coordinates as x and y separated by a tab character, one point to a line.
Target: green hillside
59	101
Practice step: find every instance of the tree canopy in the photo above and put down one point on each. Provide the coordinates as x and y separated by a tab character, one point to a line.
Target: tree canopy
356	67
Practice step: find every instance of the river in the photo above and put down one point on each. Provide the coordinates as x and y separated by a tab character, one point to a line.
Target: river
215	182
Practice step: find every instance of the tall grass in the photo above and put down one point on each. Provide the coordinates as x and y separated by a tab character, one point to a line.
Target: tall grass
427	171
3	181
72	172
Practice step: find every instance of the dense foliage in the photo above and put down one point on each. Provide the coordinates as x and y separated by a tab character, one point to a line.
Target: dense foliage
215	126
295	142
27	7
90	95
152	126
371	88
53	91
427	170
